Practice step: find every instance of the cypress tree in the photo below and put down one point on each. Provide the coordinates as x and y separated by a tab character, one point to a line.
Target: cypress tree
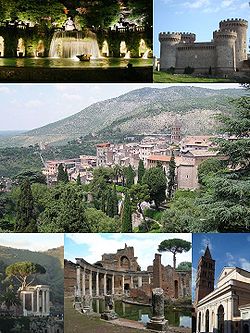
78	179
141	171
110	204
62	175
171	176
129	176
115	201
25	219
127	215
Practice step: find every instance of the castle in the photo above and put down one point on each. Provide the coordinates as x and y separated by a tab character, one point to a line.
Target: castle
225	54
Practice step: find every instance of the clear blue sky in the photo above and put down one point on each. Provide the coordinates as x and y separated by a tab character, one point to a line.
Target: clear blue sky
92	246
201	17
227	249
25	106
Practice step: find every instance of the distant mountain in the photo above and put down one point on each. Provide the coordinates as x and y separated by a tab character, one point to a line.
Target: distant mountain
52	260
141	111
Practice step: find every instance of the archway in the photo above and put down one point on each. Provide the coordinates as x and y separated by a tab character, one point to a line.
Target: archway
245	328
207	321
176	289
220	315
125	263
199	322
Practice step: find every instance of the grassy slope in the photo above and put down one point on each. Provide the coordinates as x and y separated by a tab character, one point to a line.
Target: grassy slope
163	77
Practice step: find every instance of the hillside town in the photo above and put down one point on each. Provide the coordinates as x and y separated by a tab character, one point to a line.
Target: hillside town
189	152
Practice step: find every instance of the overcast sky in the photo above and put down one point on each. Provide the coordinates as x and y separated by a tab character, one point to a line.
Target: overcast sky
92	246
25	106
201	17
32	242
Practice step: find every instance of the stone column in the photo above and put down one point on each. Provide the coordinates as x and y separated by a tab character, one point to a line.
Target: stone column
109	313
123	283
78	281
157	322
83	282
32	302
37	300
139	281
97	283
149	279
131	282
43	301
105	284
47	301
24	302
157	271
113	284
90	283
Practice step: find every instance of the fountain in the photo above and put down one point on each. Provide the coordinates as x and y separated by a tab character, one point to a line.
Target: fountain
70	43
20	48
143	49
123	49
127	55
105	49
1	46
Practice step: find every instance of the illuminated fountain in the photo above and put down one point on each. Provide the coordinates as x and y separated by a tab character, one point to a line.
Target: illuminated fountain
143	49
105	49
1	46
20	48
70	43
127	55
123	49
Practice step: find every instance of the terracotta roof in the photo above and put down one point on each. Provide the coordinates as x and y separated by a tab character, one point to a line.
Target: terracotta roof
161	158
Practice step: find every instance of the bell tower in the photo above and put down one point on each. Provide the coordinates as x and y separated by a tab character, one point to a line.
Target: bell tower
205	276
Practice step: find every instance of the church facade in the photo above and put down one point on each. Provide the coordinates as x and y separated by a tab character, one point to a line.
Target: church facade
226	307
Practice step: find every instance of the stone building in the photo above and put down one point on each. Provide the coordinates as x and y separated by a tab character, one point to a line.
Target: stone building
224	308
119	274
226	53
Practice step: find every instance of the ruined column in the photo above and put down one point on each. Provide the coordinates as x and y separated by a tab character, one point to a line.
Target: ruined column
149	279
109	312
113	284
78	281
97	283
23	302
157	271
131	282
105	284
123	283
83	282
139	281
90	283
32	302
87	303
158	322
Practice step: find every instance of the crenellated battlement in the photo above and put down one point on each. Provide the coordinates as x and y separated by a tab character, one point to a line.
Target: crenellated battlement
227	34
170	36
233	22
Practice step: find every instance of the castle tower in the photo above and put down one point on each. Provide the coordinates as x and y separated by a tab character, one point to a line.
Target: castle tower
176	131
205	276
168	49
187	38
225	50
240	27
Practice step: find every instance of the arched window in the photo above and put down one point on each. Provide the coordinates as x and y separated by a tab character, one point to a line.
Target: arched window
125	263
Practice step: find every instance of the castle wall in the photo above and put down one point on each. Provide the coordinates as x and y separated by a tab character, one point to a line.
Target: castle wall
198	55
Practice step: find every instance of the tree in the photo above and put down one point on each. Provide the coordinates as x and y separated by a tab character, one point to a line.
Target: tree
208	168
174	246
141	171
9	298
156	181
23	270
184	266
130	175
25	218
127	215
78	179
171	176
138	193
62	175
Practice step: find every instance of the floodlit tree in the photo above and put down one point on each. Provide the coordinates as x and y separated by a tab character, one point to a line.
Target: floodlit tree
175	245
23	270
